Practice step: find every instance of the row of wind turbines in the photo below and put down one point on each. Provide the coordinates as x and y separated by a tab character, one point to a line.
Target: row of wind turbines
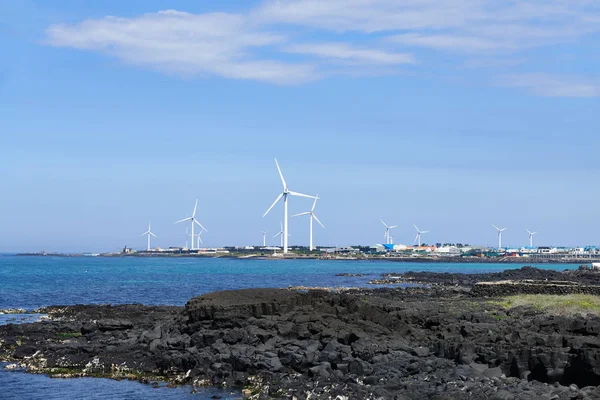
500	230
284	234
192	220
390	240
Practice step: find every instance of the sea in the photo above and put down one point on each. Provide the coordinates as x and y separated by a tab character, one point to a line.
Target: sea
30	282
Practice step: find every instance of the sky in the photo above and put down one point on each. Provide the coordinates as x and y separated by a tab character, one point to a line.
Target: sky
449	114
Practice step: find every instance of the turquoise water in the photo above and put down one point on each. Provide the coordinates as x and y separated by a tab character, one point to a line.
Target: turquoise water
32	282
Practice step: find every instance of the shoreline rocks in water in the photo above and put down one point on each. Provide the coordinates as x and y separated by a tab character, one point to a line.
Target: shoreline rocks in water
13	311
417	343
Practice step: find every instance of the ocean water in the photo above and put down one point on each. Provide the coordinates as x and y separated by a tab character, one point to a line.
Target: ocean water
32	282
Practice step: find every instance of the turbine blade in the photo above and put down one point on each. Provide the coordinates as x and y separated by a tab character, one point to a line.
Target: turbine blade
195	206
425	232
315	203
318	220
153	234
277	234
416	227
416	237
304	213
281	175
384	224
301	195
495	226
273	205
183	220
145	233
200	225
392	227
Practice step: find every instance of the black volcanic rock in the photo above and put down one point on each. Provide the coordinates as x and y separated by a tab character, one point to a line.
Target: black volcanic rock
412	343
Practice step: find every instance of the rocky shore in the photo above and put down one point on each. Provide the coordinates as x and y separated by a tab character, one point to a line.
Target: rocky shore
446	341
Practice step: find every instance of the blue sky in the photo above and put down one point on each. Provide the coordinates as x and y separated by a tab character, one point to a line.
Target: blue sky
452	115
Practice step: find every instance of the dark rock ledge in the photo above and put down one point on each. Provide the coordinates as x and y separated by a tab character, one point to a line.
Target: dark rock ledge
438	343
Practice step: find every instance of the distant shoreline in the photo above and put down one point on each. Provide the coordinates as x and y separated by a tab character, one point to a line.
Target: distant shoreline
436	260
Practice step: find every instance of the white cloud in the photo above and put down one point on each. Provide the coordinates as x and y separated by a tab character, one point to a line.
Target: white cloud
449	42
172	41
553	85
245	45
343	51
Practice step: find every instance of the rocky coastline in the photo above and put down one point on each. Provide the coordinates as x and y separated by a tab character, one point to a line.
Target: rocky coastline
443	341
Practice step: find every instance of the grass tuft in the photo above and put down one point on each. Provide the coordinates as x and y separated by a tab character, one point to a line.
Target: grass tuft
554	304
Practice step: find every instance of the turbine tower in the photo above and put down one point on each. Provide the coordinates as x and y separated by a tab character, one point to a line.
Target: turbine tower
149	233
419	233
264	233
499	236
386	235
284	195
193	221
531	237
280	233
312	215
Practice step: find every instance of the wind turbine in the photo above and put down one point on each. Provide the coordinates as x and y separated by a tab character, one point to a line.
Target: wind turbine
386	235
284	195
499	236
149	233
531	237
199	238
312	215
264	233
419	233
280	233
194	221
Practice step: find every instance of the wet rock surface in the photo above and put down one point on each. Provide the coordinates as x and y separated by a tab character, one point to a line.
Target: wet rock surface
415	343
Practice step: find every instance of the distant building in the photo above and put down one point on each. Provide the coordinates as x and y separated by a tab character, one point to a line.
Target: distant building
447	250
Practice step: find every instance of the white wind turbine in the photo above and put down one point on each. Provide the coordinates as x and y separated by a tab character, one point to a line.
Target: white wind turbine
280	233
386	235
419	233
149	233
312	215
264	233
199	238
193	221
499	236
284	195
531	237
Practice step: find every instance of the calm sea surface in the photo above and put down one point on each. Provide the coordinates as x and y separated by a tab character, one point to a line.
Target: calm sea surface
32	282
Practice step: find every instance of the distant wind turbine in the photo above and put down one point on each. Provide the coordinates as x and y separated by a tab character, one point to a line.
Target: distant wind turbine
499	236
193	221
386	235
199	238
419	233
284	195
280	234
149	233
531	237
264	233
312	215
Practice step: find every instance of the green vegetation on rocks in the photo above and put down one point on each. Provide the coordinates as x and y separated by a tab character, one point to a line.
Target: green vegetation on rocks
555	304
